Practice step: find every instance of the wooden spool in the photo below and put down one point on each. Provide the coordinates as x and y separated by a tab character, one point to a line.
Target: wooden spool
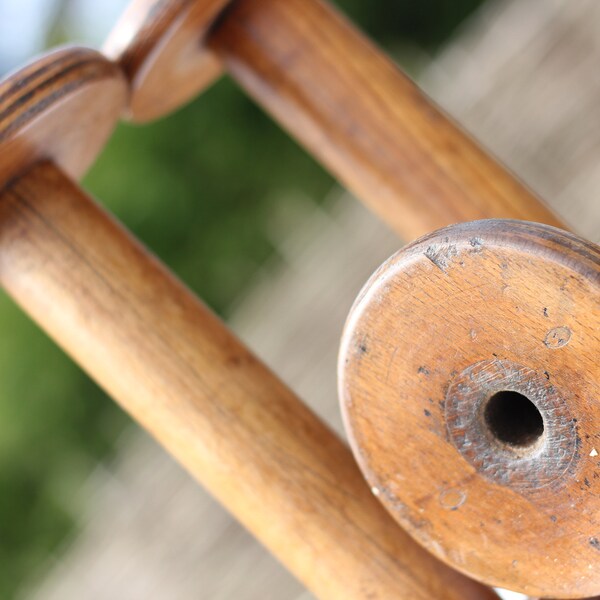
171	363
470	386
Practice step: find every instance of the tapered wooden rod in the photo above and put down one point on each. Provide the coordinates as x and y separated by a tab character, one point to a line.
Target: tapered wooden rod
356	112
175	367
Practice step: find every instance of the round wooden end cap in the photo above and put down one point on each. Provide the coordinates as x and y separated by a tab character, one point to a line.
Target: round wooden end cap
61	107
470	387
160	46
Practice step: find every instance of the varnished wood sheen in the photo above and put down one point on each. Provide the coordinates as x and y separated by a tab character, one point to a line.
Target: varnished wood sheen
178	370
366	121
62	106
463	315
505	488
159	44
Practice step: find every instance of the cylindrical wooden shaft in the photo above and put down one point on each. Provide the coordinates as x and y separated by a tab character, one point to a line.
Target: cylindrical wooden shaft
367	122
174	366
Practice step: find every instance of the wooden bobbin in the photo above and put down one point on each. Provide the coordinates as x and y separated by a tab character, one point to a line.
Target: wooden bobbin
62	106
160	46
470	387
171	363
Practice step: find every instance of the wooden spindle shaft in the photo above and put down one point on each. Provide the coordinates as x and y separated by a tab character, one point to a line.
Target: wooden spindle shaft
172	364
356	112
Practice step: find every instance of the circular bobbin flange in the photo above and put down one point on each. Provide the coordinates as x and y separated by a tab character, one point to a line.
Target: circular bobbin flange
160	46
61	107
470	387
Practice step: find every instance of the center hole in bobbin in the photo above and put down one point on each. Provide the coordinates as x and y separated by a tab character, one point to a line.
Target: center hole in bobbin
513	419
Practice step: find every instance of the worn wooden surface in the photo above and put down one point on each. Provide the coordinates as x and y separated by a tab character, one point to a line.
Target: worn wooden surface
471	358
184	377
170	362
63	107
159	44
356	112
148	530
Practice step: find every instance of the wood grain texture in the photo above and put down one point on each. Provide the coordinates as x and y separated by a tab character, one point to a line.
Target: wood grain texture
62	106
437	347
159	45
173	365
368	123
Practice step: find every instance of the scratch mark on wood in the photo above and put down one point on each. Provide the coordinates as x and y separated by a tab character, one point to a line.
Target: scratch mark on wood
441	255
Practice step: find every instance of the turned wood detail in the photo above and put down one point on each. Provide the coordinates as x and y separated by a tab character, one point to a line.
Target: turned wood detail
230	421
160	45
469	382
171	363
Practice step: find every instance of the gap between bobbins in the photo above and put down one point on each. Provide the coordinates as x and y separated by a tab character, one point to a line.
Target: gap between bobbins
469	384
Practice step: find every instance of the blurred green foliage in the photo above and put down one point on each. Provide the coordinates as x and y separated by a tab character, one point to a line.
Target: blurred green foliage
197	188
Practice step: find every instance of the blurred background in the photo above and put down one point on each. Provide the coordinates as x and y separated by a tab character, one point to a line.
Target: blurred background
203	190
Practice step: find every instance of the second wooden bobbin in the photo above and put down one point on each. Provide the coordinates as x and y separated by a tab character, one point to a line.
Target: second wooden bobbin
470	386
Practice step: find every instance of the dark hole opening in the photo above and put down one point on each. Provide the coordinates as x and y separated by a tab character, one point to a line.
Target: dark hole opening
513	419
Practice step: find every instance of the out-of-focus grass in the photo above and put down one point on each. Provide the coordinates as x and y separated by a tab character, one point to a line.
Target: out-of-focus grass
197	188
